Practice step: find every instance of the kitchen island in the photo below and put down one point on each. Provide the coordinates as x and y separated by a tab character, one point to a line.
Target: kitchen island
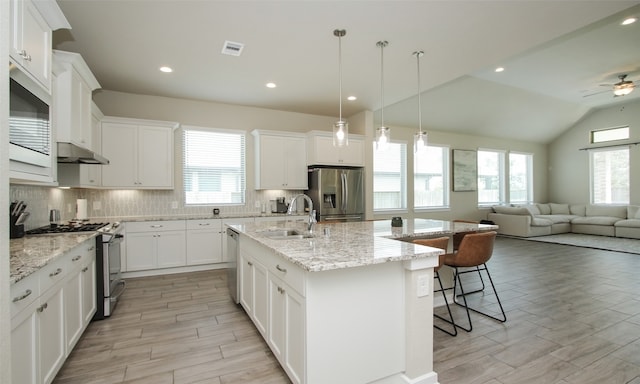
349	304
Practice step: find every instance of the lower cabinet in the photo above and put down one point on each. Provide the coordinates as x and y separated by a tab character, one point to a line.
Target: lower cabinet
204	241
271	293
50	310
155	245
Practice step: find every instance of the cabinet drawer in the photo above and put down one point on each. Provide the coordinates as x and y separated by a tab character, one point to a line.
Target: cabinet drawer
286	271
54	272
215	224
156	226
80	255
24	292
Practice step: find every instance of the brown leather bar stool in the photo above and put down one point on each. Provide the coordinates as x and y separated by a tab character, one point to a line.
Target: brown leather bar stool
442	243
471	257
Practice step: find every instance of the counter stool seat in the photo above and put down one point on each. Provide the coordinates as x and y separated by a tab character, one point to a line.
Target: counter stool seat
471	257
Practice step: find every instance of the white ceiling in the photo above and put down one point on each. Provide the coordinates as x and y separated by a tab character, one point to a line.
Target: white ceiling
554	53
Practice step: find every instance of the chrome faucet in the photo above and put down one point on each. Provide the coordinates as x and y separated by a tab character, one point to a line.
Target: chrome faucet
312	212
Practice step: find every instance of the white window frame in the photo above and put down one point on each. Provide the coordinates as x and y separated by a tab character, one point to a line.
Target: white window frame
403	179
241	182
502	198
529	178
446	178
592	176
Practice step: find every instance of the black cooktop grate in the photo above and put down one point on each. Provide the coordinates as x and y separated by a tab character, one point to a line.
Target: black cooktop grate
67	228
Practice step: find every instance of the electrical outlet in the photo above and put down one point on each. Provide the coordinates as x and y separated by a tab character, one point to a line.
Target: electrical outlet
97	205
174	205
257	204
423	285
69	207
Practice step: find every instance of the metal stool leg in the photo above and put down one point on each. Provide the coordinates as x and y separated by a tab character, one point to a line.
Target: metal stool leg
464	294
450	319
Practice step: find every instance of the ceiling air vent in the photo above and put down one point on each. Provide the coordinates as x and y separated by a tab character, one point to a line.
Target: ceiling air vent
232	48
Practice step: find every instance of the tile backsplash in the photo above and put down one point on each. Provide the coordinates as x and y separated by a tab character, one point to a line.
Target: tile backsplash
105	204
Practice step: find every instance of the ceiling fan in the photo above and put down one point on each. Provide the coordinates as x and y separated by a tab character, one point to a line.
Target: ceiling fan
621	88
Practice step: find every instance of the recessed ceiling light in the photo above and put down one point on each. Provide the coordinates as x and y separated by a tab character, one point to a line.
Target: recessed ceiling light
271	85
500	69
166	69
629	20
352	98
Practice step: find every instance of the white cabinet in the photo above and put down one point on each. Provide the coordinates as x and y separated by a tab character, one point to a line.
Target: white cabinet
72	93
31	26
204	241
155	244
272	293
321	151
50	309
254	293
80	293
140	153
280	160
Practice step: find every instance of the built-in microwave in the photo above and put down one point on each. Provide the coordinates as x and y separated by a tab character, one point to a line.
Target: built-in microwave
30	141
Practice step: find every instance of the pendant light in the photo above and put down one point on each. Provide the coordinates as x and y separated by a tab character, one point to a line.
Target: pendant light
383	133
420	138
340	127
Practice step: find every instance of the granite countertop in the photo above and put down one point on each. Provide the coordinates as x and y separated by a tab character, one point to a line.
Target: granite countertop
223	216
355	244
30	253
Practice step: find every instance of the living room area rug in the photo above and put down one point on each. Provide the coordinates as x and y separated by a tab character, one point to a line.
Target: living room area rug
590	241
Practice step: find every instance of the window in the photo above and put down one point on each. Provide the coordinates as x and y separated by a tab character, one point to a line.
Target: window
520	178
430	178
609	134
609	175
213	166
491	183
390	177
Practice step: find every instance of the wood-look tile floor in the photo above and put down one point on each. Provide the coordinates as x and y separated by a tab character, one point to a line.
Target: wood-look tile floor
573	317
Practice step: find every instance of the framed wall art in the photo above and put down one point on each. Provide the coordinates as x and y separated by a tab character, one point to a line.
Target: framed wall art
465	170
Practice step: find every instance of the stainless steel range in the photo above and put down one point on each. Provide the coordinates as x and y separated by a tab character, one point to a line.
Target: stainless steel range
109	282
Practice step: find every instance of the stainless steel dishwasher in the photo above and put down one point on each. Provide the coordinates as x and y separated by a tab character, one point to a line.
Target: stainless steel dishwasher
232	256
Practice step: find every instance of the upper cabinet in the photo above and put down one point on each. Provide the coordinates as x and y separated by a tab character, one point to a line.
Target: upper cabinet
321	151
140	153
72	93
280	160
32	23
85	175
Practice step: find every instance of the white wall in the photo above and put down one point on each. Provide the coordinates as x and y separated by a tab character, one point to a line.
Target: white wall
569	166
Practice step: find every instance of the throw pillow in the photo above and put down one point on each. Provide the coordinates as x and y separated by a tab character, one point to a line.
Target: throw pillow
559	209
544	209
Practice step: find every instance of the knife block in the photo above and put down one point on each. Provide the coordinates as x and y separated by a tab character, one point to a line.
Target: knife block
15	231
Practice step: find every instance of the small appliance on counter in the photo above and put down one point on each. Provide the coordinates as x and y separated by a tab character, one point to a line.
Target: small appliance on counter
281	206
17	217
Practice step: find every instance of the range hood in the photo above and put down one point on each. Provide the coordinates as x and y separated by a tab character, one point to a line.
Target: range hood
72	154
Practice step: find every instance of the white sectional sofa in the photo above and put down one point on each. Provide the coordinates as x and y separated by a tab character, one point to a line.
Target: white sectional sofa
551	218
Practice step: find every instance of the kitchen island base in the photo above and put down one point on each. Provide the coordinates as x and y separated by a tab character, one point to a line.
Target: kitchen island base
348	325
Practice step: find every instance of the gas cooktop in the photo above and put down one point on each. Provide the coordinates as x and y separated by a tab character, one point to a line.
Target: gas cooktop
67	228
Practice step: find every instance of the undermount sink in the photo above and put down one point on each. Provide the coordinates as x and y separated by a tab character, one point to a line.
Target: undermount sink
287	234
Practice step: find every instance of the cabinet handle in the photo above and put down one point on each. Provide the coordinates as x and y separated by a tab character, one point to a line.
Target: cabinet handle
92	248
157	226
24	55
204	224
23	296
279	268
77	258
85	269
56	272
42	307
250	263
281	290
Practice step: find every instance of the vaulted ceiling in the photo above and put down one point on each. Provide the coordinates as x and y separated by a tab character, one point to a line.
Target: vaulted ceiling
554	53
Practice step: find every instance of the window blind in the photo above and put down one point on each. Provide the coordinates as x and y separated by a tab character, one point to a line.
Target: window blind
213	166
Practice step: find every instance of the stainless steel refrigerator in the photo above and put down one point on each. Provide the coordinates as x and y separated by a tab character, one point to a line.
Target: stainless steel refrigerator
337	193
